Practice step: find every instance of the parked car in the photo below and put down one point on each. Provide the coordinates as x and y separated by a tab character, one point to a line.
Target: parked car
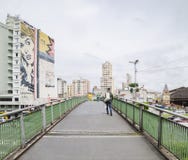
178	119
171	118
180	111
159	106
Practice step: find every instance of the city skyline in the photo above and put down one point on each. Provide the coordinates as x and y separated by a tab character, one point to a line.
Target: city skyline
88	33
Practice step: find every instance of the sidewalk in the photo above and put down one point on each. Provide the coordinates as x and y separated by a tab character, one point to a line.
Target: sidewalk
88	133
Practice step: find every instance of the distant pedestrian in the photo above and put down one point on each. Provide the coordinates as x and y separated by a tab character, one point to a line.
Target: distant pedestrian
108	100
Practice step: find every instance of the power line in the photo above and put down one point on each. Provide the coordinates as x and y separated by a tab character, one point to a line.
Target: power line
163	69
175	61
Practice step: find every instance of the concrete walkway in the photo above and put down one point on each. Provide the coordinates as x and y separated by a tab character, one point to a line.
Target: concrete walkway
88	133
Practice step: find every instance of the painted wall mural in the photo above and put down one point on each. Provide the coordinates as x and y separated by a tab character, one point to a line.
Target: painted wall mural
46	47
27	48
46	65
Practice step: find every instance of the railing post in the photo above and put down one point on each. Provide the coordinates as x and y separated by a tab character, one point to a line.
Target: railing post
22	130
160	129
43	118
120	107
141	118
60	111
126	109
52	113
133	113
66	105
71	103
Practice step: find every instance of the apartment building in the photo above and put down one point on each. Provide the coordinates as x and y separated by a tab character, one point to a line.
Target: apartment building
81	87
26	64
107	80
61	88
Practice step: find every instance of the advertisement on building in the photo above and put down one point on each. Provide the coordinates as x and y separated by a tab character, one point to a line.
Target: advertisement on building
27	62
46	66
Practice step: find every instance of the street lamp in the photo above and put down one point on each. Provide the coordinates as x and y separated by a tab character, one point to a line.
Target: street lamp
135	70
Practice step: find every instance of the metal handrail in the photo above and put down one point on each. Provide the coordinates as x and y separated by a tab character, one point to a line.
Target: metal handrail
23	128
156	108
161	131
27	108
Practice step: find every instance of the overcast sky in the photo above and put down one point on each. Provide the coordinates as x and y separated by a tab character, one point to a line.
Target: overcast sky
89	32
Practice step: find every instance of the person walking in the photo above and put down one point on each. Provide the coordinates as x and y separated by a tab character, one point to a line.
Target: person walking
108	100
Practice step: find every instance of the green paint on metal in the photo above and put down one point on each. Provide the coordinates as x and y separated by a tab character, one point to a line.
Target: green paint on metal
10	131
174	135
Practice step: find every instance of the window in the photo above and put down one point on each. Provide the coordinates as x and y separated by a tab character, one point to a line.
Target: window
16	32
16	91
16	39
17	46
16	84
9	91
16	61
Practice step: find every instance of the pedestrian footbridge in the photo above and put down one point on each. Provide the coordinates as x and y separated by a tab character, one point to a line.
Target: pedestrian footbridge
81	130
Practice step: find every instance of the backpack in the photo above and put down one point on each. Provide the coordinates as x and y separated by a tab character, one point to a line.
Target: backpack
107	96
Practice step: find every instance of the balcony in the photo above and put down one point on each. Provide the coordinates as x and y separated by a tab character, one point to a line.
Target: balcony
10	82
10	71
9	68
10	55
10	63
10	91
10	49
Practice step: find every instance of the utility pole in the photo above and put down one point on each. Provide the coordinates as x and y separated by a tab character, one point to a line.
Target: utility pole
135	70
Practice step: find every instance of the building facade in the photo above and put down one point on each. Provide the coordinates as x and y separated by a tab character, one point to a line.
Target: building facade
45	66
61	88
107	79
179	96
25	77
70	91
81	87
86	86
97	91
6	60
165	96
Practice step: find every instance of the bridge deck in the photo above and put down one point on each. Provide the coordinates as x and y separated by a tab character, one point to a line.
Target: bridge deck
88	133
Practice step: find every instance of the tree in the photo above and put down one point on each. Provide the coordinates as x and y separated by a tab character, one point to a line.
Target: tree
133	87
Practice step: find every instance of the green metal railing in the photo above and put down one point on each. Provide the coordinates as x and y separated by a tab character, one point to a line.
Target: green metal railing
167	134
10	137
16	133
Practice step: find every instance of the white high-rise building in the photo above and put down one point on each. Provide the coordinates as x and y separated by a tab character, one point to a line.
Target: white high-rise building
86	86
81	87
8	61
70	91
61	88
107	79
26	65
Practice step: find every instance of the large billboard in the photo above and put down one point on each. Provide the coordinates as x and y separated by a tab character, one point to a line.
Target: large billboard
27	62
45	66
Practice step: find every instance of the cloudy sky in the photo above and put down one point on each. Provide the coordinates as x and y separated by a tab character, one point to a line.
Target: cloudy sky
89	32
